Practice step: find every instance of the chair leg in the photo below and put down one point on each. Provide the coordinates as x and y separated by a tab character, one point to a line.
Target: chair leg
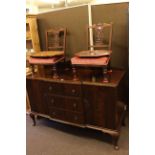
55	75
109	67
33	68
75	78
105	75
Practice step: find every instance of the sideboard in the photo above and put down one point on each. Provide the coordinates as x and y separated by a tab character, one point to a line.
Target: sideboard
86	103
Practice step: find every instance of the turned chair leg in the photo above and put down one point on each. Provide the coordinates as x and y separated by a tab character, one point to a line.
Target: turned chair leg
33	119
33	68
55	75
109	67
75	78
105	75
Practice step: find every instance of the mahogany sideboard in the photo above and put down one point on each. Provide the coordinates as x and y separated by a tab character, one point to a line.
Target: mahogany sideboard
86	103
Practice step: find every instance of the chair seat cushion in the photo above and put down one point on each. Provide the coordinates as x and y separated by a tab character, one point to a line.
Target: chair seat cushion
101	61
44	61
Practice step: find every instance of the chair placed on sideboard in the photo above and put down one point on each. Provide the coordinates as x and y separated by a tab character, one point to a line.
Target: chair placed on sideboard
55	46
99	50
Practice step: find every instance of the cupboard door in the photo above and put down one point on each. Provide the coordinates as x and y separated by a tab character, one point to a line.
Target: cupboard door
99	106
36	97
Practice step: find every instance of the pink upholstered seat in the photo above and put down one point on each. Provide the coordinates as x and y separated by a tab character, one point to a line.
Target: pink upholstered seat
44	61
101	61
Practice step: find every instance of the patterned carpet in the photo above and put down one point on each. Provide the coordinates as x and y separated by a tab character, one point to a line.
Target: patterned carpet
51	138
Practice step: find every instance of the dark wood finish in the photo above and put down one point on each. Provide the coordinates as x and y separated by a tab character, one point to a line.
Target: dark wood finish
87	102
55	75
115	141
56	39
47	54
75	78
105	76
93	54
99	35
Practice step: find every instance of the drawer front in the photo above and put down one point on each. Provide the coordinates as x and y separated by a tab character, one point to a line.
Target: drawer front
75	117
68	116
57	113
53	88
57	102
73	105
69	104
72	90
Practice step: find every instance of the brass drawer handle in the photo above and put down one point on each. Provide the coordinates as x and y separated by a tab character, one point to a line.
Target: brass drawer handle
85	101
54	113
74	105
73	91
75	118
52	100
50	88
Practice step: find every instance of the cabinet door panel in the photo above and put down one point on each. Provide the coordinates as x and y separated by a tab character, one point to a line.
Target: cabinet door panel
36	97
99	105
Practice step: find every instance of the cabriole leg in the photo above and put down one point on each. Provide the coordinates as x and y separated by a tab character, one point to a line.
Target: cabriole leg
33	118
115	141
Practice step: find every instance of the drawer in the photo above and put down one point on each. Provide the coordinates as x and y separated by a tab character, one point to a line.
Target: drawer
72	90
75	117
52	88
64	103
56	101
57	113
73	104
72	117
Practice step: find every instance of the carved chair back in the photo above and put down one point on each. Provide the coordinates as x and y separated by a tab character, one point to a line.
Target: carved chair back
102	36
56	39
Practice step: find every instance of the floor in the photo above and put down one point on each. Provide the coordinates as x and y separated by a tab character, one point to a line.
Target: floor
51	138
